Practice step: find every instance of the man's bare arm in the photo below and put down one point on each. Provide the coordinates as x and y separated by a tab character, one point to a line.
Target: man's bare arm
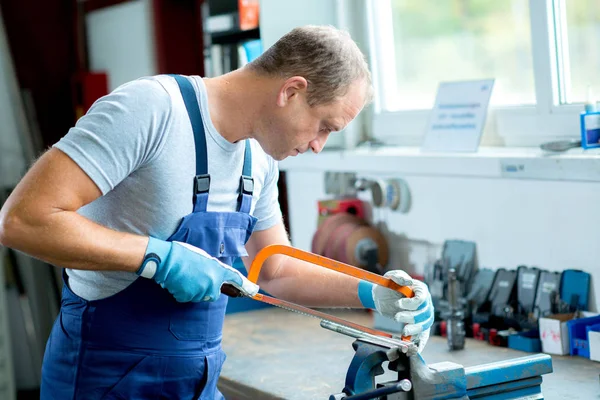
298	281
39	218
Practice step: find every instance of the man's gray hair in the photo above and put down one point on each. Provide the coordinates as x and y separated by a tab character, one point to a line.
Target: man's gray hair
326	57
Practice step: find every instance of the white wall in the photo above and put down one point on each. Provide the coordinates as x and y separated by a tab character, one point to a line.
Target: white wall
549	224
279	17
121	41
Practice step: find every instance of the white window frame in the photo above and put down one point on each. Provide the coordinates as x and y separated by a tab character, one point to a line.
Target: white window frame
512	126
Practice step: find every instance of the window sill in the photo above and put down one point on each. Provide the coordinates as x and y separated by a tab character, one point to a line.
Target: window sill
491	162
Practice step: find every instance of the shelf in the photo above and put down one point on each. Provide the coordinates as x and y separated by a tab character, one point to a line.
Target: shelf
491	162
234	36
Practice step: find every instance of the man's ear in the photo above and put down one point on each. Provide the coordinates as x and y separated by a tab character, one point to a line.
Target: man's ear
290	90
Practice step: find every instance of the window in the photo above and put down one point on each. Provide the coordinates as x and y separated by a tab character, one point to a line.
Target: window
543	55
461	40
577	25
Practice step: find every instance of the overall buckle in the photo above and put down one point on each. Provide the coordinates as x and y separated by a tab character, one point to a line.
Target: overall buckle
201	183
246	185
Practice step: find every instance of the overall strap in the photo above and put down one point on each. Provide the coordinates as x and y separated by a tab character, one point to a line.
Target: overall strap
246	182
202	178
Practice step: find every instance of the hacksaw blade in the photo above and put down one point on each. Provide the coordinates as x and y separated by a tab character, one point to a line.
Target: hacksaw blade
317	314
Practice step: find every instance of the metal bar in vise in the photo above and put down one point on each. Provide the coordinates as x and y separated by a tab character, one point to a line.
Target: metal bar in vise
403	346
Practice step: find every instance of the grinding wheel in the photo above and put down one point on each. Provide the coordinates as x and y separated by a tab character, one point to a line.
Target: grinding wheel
378	193
323	234
349	242
336	247
365	236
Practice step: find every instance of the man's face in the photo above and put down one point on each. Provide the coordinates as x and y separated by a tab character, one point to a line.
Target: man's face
296	127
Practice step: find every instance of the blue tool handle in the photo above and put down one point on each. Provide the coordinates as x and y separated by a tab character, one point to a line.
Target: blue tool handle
374	394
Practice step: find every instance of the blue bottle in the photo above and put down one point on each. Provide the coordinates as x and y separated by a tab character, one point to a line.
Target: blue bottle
590	124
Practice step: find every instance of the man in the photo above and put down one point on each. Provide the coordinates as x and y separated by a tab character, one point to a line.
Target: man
153	193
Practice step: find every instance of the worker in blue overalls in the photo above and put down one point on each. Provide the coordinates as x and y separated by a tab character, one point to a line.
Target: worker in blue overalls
150	197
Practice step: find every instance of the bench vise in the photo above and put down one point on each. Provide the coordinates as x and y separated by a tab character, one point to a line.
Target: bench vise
516	379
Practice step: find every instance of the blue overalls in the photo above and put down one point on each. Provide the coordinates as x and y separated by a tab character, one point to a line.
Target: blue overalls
140	343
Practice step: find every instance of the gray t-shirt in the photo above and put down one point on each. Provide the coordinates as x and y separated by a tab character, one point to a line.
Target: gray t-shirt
137	145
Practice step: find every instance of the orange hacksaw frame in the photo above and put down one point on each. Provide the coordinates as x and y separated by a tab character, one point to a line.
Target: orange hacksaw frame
328	263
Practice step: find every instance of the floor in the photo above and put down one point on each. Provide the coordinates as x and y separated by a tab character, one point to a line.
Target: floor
277	354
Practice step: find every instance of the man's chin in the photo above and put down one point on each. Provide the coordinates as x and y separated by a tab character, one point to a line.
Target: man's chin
280	157
276	157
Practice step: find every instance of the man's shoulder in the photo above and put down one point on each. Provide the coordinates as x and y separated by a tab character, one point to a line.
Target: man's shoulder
150	95
154	85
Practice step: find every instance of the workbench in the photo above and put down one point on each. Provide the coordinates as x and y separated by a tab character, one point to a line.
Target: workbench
277	354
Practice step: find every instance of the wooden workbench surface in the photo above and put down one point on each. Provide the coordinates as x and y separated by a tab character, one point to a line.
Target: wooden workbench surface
277	354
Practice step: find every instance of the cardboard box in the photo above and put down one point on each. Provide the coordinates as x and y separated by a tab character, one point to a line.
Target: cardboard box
554	333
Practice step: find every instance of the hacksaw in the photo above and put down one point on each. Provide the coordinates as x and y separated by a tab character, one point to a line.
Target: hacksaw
268	251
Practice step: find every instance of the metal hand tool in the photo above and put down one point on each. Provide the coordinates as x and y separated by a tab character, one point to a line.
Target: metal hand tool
455	327
325	262
560	145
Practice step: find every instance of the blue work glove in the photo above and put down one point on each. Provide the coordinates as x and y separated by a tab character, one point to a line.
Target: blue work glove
190	273
416	312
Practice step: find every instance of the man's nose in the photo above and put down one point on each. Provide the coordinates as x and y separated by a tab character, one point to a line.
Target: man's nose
317	145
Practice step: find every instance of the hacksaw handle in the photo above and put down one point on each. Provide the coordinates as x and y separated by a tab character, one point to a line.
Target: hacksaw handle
231	291
325	262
